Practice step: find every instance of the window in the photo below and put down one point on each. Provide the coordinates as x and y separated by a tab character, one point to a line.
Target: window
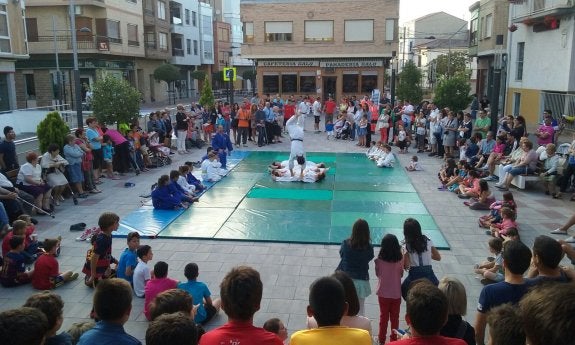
150	39
149	7
195	47
176	15
481	28
223	35
358	30
278	31
194	20
187	12
208	50
473	33
516	103
162	10
133	35
289	83
488	25
520	56
368	81
350	83
318	30
163	41
188	46
113	30
207	25
177	48
30	86
4	33
307	82
390	31
249	32
32	29
271	82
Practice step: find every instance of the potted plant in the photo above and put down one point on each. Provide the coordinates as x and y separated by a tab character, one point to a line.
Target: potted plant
512	28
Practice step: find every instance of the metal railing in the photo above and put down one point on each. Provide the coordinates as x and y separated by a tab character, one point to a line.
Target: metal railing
559	104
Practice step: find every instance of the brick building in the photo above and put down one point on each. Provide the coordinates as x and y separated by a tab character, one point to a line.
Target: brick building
320	47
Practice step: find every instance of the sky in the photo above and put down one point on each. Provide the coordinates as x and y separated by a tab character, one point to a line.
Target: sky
412	9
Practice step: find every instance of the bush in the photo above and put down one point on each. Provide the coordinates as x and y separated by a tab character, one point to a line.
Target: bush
409	87
115	101
52	130
207	98
453	93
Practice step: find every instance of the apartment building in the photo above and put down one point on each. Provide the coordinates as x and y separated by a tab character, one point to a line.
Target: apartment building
320	47
13	47
541	58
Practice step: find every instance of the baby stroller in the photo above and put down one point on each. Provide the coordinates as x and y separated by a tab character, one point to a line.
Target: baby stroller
343	131
158	153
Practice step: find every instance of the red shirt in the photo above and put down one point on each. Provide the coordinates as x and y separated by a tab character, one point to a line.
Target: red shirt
45	268
6	241
289	111
237	332
430	340
329	107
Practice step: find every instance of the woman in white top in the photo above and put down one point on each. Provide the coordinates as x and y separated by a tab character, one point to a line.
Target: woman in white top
30	180
352	319
54	165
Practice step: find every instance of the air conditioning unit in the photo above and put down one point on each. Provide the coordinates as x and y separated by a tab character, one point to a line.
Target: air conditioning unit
78	10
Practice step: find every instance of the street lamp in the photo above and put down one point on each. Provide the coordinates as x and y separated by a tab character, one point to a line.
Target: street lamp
77	86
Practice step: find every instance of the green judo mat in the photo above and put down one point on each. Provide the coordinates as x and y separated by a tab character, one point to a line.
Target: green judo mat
247	205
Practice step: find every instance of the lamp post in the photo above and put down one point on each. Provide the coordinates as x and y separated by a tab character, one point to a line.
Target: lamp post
77	86
58	83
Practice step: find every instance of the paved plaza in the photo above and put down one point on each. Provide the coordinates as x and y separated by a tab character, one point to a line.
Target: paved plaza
286	269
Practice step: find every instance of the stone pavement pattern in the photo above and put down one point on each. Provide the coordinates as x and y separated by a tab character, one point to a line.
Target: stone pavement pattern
286	269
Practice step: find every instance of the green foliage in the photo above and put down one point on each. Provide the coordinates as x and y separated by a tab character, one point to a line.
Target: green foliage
207	98
167	72
198	75
457	62
249	74
409	86
115	101
52	130
453	93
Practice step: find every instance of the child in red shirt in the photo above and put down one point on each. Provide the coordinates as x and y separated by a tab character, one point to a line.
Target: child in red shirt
46	269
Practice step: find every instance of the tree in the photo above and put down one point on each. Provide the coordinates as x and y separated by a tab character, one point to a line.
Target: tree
250	74
52	130
409	86
453	93
198	75
114	100
207	98
169	74
450	65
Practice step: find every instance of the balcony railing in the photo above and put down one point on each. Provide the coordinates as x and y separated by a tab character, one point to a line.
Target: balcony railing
64	42
177	52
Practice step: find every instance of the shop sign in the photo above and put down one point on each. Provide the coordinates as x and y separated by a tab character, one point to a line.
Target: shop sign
288	63
353	64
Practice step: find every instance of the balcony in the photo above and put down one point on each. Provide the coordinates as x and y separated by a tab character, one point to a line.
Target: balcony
533	11
177	52
85	43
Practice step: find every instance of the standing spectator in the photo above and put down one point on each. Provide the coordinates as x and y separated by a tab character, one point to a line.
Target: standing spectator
181	128
95	138
87	161
8	158
316	109
121	158
97	266
74	155
474	106
356	252
167	121
52	306
329	109
112	306
243	118
159	284
241	293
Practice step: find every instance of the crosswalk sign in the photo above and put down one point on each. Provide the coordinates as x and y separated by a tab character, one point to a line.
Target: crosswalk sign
229	74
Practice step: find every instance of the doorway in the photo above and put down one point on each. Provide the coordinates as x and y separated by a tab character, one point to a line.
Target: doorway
4	95
329	87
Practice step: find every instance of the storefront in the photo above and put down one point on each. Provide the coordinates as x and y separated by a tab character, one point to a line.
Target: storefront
320	77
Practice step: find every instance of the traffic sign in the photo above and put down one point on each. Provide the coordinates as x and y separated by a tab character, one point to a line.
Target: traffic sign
230	74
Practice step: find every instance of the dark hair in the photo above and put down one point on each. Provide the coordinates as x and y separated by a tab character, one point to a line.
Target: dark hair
505	325
131	235
143	251
300	160
508	196
171	301
78	132
53	148
7	129
473	173
16	241
350	292
327	300
106	138
272	325
427	308
174	329
48	303
23	326
496	243
107	219
50	243
483	186
191	271
360	236
548	251
415	241
161	269
390	249
516	257
163	180
112	299
241	292
174	174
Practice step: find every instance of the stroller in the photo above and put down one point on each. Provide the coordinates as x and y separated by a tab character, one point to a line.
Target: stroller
158	153
342	129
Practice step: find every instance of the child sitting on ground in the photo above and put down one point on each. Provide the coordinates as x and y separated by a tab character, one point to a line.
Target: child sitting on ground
484	199
162	197
129	258
447	172
492	269
157	285
387	159
276	326
206	307
494	215
373	148
46	269
470	187
454	182
211	168
192	180
14	266
414	165
177	190
31	245
507	222
142	272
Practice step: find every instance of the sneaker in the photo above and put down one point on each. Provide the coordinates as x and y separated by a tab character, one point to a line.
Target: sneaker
74	276
558	231
570	240
86	234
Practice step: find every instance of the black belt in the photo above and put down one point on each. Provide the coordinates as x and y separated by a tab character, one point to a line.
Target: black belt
297	140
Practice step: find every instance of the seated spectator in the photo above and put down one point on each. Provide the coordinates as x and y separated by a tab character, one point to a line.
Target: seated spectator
484	163
53	166
47	275
112	306
162	197
486	146
30	180
471	188
79	328
327	305
507	222
414	165
524	166
484	200
172	301
172	329
427	312
142	272
276	326
23	326
53	307
549	174
241	294
14	266
207	308
160	283
505	326
492	270
494	215
129	258
448	171
31	245
547	315
456	327
350	318
99	258
547	254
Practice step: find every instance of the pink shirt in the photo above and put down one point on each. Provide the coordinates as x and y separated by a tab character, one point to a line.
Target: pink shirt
499	148
545	129
505	225
117	137
155	287
389	278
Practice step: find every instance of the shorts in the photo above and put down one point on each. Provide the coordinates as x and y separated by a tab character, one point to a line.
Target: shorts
210	312
107	160
98	161
316	119
57	281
